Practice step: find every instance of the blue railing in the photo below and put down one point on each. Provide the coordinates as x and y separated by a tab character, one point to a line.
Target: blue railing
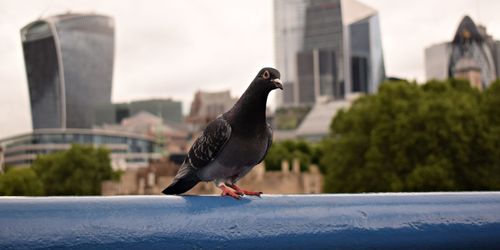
406	220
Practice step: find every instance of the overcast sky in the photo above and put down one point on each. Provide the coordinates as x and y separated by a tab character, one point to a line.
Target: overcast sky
173	48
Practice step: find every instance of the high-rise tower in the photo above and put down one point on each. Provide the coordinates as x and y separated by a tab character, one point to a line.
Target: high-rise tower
326	49
69	67
472	55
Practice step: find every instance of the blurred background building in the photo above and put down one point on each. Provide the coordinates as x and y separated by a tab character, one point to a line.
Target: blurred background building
169	110
472	55
174	138
69	67
206	106
128	150
326	49
153	179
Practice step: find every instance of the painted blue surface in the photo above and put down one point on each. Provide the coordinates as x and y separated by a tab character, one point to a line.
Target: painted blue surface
380	221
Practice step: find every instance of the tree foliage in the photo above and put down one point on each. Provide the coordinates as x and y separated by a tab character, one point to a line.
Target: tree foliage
288	150
77	171
409	137
290	117
20	182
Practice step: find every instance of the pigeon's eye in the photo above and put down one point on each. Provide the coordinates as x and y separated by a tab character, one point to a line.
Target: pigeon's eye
266	75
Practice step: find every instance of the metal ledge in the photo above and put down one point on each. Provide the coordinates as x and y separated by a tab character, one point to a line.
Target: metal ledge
383	221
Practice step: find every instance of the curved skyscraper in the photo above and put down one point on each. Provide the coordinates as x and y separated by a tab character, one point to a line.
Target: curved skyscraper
470	49
69	67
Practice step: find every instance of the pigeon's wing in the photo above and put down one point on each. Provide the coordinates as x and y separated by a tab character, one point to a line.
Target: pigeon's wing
206	148
269	134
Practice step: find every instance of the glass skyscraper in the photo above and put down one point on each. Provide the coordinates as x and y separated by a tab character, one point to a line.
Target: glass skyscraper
472	54
326	49
69	67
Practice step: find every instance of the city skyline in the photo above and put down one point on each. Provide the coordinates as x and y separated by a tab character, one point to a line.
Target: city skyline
160	45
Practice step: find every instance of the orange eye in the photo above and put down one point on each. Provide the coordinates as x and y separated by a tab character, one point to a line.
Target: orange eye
266	75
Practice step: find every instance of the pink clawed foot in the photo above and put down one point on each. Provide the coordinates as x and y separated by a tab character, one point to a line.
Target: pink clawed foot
229	192
244	192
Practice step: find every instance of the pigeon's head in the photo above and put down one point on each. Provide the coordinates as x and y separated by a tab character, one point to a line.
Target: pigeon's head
270	78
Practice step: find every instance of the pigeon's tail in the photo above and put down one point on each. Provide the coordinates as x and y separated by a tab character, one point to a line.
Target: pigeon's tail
180	186
185	179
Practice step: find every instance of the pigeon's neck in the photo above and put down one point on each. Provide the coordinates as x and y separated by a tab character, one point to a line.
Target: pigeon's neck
250	110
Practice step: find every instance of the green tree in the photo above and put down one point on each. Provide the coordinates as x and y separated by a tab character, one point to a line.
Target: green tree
408	137
277	153
491	108
20	182
77	171
289	150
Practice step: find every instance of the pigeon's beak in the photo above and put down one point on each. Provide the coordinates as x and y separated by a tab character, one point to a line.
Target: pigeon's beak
277	82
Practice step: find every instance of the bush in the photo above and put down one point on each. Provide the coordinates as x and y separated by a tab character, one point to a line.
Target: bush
77	171
20	182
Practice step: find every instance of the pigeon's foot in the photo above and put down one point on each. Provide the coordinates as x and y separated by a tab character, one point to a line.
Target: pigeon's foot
244	192
229	192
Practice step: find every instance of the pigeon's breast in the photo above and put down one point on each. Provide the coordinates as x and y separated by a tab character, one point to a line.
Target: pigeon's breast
238	156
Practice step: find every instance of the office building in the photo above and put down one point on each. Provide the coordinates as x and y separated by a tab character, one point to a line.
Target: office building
168	109
326	49
69	68
316	125
173	137
472	55
206	106
127	150
437	59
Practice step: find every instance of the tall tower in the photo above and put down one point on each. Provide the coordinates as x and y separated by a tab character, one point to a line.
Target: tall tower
289	22
326	49
472	55
69	67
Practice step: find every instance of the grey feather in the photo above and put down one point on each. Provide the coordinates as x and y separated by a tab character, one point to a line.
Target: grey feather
206	148
269	132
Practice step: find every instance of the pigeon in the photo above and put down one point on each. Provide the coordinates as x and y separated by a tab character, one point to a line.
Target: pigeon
232	144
